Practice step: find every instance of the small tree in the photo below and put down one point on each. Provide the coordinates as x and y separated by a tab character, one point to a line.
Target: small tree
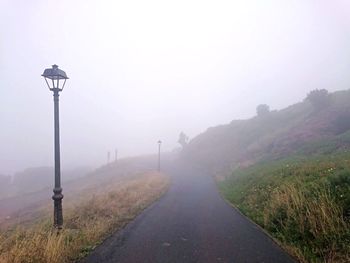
183	139
319	98
262	109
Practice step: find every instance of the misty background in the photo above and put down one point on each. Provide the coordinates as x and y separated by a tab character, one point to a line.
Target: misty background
141	71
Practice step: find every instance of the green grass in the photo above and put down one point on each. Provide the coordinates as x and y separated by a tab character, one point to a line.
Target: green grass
304	202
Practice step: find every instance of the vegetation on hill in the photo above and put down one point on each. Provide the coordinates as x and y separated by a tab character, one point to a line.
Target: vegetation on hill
273	135
262	110
318	98
303	202
23	203
289	171
89	219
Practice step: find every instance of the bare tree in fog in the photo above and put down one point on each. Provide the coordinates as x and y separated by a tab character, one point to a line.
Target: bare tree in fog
183	139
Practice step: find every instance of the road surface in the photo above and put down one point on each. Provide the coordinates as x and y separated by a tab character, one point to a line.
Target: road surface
190	223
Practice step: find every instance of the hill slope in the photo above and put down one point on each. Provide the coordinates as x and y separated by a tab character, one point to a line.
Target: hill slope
289	172
300	128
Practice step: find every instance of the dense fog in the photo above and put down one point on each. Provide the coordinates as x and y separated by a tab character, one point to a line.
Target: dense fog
141	71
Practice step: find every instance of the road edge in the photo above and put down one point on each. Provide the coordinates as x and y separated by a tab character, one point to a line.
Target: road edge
277	242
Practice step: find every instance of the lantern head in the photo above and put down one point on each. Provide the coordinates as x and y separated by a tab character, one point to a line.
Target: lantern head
55	77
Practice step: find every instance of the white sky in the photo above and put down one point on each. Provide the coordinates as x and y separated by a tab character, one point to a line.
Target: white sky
145	70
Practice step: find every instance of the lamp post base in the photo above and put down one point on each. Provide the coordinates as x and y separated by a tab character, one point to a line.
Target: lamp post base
57	214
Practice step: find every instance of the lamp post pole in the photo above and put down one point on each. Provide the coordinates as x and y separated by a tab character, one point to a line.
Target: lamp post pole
57	197
159	143
52	77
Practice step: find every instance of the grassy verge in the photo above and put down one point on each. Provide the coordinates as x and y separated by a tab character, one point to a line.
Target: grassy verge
304	203
87	223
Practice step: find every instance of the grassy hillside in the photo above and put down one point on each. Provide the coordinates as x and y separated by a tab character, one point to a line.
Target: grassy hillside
272	136
89	219
36	179
94	206
19	204
289	171
304	202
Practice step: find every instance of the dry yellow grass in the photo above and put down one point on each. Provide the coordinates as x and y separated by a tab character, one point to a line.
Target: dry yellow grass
87	222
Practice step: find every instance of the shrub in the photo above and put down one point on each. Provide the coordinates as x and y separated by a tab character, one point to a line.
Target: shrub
319	98
262	110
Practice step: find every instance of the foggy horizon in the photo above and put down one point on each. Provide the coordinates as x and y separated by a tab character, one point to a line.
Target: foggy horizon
139	72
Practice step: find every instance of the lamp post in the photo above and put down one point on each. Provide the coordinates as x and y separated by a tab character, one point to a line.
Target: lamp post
53	76
159	143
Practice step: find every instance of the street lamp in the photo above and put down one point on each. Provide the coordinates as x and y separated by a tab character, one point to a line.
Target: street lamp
56	79
159	143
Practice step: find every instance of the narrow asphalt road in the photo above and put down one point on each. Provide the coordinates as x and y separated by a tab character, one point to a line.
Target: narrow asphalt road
190	223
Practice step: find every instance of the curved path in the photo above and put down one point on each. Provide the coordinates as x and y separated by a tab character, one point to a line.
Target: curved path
190	223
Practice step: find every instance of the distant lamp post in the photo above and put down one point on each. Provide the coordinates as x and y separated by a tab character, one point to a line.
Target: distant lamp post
56	79
159	143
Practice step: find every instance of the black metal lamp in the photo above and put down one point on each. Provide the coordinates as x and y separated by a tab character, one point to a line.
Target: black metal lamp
54	77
